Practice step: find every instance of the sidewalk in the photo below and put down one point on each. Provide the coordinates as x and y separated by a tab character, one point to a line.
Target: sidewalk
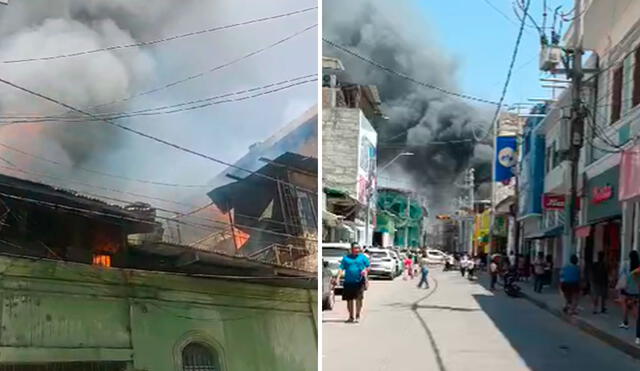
601	326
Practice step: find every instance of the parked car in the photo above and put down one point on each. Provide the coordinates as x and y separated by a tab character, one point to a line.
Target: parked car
397	257
436	256
332	254
382	263
328	287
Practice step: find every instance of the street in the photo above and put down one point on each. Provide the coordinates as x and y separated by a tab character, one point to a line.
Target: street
457	325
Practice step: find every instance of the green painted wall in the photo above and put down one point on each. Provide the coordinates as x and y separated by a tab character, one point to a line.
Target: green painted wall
56	311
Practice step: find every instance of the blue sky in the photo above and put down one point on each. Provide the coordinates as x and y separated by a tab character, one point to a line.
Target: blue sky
482	41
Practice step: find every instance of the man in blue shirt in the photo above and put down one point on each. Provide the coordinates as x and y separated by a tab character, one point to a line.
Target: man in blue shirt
355	268
570	285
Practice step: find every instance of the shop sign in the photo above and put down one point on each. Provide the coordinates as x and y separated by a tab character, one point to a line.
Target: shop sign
553	202
601	194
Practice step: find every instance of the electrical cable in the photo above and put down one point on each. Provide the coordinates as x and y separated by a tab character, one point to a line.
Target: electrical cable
149	136
211	70
177	214
158	41
514	56
102	173
405	76
169	109
526	14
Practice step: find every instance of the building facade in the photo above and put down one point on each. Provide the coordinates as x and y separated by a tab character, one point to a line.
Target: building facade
349	162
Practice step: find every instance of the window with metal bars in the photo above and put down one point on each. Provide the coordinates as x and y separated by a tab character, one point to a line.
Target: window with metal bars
200	357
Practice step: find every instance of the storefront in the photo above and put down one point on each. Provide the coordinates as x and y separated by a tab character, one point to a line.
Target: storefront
602	227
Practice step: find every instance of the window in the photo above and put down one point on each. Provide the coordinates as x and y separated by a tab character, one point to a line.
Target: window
307	212
616	96
199	357
635	100
627	85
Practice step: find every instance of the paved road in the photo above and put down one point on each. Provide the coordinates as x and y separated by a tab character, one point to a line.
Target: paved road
458	326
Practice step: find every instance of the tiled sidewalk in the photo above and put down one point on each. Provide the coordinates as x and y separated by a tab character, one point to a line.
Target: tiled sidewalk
602	326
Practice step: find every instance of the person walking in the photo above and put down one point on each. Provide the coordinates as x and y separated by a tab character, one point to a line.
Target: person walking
629	290
635	275
463	264
355	268
548	271
471	268
408	267
493	271
424	271
570	285
600	284
538	272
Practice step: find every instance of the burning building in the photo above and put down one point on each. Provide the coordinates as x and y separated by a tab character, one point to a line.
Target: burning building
275	208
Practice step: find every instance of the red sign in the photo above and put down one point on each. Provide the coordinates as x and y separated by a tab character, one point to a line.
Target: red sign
601	194
553	202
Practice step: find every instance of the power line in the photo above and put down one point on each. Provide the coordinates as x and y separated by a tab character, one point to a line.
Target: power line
509	72
101	173
503	14
84	211
166	39
213	69
405	76
173	108
149	136
177	214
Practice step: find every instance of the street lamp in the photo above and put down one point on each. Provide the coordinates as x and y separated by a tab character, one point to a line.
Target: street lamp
370	192
395	158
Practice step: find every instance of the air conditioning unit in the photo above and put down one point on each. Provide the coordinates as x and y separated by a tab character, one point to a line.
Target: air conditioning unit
550	57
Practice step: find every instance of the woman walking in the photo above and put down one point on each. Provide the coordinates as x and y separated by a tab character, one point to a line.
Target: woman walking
629	289
600	284
538	272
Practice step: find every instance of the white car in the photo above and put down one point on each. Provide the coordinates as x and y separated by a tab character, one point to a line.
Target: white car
382	263
399	260
436	256
332	254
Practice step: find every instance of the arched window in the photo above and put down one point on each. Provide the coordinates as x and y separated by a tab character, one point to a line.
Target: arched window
199	357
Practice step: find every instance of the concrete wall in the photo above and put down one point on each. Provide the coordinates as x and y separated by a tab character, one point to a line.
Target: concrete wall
340	138
58	312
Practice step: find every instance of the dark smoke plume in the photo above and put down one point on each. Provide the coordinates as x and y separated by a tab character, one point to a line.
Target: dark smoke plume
389	33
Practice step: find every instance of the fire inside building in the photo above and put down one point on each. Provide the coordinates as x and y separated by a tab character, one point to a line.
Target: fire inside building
90	285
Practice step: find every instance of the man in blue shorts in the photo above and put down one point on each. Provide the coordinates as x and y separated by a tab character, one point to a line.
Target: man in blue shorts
354	267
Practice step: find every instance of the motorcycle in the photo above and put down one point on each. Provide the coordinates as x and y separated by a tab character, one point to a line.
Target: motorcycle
510	286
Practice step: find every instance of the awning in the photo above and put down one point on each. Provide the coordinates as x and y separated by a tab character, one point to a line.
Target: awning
547	233
583	231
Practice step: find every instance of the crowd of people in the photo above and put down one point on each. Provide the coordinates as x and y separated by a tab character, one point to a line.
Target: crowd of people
574	281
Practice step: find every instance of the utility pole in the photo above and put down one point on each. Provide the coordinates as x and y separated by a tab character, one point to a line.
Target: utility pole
408	215
575	74
471	181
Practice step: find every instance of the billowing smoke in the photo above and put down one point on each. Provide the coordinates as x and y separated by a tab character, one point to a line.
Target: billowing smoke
38	28
390	33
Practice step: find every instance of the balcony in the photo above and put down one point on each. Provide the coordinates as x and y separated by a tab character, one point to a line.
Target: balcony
558	180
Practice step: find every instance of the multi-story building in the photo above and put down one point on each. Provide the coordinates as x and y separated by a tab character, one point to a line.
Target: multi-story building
530	183
349	162
611	99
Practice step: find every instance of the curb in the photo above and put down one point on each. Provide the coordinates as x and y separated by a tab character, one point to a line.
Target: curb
588	328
